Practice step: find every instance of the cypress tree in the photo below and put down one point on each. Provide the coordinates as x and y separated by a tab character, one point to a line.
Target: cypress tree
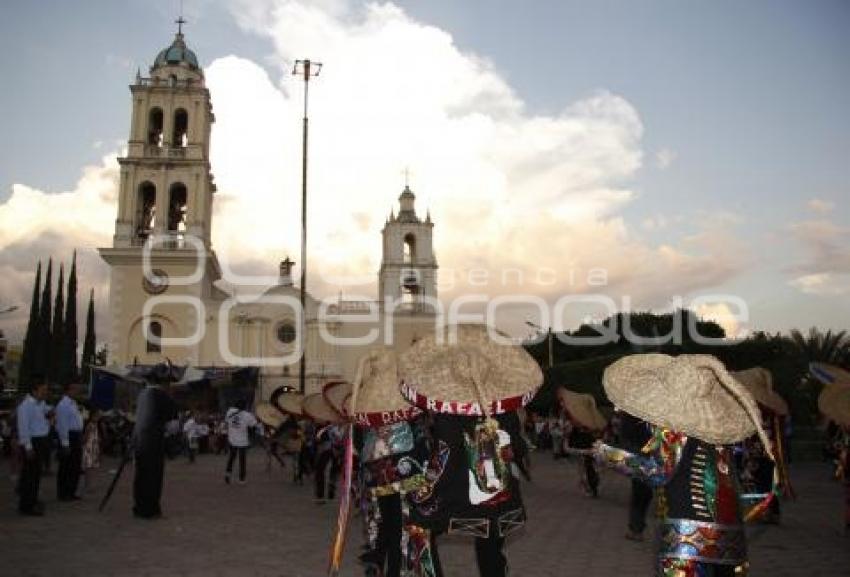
89	341
57	333
41	362
70	372
29	354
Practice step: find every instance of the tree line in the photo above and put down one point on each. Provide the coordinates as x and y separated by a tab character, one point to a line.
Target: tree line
51	340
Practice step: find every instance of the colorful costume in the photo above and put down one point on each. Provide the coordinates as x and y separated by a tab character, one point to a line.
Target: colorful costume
834	403
472	386
587	422
697	411
394	452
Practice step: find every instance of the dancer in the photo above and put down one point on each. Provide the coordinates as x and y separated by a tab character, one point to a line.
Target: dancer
328	445
473	386
154	408
697	411
395	450
587	423
834	403
774	410
634	434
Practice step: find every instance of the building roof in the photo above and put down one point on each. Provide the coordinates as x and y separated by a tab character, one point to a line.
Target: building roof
176	54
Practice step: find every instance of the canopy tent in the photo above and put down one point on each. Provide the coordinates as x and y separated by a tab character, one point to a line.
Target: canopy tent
117	386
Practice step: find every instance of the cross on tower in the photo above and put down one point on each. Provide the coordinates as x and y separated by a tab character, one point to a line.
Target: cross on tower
406	173
180	22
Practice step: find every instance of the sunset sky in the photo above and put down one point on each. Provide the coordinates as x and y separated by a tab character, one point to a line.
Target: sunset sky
686	148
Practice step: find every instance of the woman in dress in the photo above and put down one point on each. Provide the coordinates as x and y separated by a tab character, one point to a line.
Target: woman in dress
91	448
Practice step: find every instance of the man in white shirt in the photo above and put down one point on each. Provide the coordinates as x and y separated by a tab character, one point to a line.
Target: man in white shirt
192	430
238	422
33	429
69	427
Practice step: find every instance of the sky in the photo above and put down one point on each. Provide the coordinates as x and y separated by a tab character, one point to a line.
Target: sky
687	149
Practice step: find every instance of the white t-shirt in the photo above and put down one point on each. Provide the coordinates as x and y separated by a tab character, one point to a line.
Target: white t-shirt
238	423
192	429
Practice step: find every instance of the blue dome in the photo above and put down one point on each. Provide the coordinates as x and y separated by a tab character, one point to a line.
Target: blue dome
177	53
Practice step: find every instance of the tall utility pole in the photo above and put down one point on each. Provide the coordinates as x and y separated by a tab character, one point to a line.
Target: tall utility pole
305	69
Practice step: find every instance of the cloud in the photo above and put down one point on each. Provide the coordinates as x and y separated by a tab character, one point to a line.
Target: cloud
823	284
506	188
724	316
664	158
36	225
827	268
821	206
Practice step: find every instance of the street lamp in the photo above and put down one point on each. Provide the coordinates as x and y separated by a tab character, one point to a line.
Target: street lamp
548	338
306	69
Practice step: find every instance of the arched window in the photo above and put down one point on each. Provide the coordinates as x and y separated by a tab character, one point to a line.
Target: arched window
180	136
409	248
155	127
177	198
152	342
146	211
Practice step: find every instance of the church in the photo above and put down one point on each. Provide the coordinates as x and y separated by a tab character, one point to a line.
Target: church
167	299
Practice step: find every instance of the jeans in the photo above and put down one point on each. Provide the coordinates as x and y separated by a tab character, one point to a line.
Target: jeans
243	453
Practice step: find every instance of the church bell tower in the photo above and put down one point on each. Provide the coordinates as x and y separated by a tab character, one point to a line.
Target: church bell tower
164	210
408	274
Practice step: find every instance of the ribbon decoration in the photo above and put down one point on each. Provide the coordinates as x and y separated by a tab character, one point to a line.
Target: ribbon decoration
338	546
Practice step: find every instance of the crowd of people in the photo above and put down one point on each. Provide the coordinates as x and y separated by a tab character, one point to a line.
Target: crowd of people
436	441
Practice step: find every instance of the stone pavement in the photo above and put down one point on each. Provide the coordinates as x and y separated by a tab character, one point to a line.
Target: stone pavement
272	528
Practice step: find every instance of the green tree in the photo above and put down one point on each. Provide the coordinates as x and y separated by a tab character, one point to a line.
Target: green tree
45	317
57	332
829	347
29	354
89	341
70	370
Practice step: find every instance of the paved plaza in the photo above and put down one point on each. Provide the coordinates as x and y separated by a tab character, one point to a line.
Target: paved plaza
271	527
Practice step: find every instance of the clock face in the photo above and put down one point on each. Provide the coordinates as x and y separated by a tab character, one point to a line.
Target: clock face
156	283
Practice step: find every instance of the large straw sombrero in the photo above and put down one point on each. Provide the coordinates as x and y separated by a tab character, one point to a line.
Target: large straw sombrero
691	394
463	370
834	403
337	394
759	382
376	400
317	408
581	408
269	415
829	374
289	403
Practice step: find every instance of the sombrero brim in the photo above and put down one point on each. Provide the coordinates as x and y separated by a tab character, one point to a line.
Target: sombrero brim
317	408
661	390
581	408
829	374
290	403
834	403
443	376
269	415
337	393
376	397
759	382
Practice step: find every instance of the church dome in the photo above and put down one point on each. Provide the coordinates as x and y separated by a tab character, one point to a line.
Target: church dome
176	54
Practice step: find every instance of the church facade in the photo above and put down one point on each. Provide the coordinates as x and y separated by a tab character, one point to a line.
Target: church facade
166	300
